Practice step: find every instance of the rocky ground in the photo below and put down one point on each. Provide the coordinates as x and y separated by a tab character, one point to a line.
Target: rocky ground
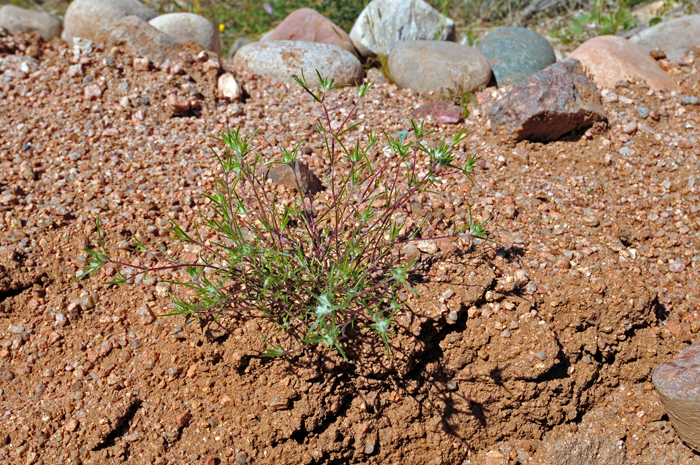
593	284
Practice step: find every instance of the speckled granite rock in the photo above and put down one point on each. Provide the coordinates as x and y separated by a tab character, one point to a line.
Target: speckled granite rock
281	59
383	24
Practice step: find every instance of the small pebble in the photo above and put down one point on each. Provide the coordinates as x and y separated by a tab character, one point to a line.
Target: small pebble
676	266
643	112
541	355
630	127
689	100
626	151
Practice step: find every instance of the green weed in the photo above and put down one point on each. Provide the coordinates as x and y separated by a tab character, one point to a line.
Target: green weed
600	21
324	266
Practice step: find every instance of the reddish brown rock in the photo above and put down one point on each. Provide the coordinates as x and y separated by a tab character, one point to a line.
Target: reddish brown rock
443	112
557	100
307	25
611	59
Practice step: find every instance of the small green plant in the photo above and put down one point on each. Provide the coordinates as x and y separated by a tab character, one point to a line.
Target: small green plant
597	23
325	265
460	96
381	62
687	6
443	15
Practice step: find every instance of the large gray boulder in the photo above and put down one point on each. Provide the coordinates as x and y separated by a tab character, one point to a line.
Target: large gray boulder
674	37
515	53
435	66
86	18
190	26
385	23
18	20
137	36
281	59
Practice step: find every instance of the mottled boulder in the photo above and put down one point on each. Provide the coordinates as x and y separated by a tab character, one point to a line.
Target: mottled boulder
137	36
676	382
674	37
18	20
434	66
611	59
515	53
282	59
553	102
86	18
189	26
308	25
385	23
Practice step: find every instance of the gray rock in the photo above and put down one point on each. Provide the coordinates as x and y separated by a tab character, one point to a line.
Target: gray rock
585	448
281	59
237	45
549	104
18	20
385	23
430	66
137	36
183	26
86	18
674	37
676	382
515	53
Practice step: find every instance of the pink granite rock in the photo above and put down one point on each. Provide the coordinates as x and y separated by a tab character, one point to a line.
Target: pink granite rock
308	25
678	384
611	59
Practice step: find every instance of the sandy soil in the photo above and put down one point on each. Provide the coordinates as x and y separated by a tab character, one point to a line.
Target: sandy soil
594	283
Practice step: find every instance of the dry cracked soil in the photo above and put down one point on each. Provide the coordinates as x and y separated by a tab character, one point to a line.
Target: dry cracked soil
538	349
